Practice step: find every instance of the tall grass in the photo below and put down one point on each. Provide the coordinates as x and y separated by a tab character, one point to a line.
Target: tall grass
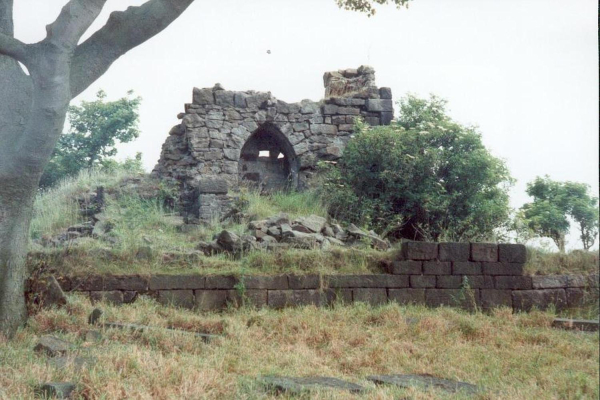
541	262
510	356
296	204
56	209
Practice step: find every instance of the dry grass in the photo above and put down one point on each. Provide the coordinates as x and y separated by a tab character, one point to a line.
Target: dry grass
550	263
513	356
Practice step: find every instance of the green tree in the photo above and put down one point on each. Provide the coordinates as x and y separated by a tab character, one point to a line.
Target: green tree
95	128
423	177
553	203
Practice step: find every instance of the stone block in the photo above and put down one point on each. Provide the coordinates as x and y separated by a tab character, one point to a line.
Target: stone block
56	390
385	93
576	297
437	268
208	300
304	281
513	282
484	252
278	282
497	268
168	282
125	282
239	99
593	280
373	297
129	296
512	253
422	281
467	299
308	297
278	299
454	251
366	281
386	117
379	105
418	251
86	284
212	185
407	296
329	109
203	96
331	296
252	297
478	281
323	129
576	281
466	268
549	281
111	296
525	300
406	267
348	111
224	98
491	298
177	298
221	282
448	282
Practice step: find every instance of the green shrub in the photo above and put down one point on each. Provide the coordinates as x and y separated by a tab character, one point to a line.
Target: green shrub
424	177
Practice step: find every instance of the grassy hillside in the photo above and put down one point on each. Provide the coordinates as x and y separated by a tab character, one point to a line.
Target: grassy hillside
140	222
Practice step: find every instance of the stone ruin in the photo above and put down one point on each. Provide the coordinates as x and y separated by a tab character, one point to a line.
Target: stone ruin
227	139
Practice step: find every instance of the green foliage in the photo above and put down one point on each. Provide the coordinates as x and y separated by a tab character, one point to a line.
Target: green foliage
423	177
553	203
95	128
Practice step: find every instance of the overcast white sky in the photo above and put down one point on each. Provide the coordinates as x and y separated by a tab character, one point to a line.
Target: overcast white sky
525	71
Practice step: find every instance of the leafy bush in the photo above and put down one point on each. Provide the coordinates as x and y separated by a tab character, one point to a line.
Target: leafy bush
423	177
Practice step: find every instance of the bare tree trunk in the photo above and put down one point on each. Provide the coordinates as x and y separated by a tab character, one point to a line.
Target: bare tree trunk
16	206
33	110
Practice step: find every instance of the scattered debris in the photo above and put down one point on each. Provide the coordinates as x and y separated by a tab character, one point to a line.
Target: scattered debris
297	385
46	292
92	336
425	381
59	390
588	325
78	363
52	346
94	316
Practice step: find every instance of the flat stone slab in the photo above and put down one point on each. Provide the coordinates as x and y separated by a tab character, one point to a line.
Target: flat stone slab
298	385
207	338
56	390
588	325
78	363
52	346
424	382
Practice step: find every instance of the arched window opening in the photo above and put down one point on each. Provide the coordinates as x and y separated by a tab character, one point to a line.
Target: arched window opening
268	161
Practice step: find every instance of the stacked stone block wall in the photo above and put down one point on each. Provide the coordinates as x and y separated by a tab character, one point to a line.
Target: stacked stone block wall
446	274
209	142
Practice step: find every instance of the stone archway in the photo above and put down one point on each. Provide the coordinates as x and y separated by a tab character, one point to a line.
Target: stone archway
268	161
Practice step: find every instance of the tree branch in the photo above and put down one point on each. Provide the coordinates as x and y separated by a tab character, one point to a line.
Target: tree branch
9	46
6	17
123	31
74	19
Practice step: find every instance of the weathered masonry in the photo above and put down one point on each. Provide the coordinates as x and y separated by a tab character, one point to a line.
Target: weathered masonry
482	275
228	138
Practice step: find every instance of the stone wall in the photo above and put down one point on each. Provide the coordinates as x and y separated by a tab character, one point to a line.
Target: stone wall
451	274
254	137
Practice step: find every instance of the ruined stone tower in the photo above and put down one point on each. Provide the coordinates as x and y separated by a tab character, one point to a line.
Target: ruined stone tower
230	138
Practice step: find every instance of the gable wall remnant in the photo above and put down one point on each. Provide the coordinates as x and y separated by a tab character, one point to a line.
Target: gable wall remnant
219	124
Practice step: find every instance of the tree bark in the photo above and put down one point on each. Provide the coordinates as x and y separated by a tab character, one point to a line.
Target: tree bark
33	111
